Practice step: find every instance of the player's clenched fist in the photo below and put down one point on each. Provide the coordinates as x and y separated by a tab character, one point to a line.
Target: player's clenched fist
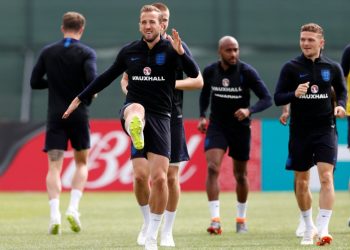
302	89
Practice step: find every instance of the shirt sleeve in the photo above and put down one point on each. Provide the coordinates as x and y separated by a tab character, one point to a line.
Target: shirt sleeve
105	79
189	66
37	80
187	49
90	67
339	86
204	98
260	90
283	95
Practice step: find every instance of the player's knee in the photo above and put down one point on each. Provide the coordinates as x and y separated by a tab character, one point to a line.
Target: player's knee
173	180
134	108
326	176
81	162
241	178
302	185
326	179
140	178
55	154
213	168
159	181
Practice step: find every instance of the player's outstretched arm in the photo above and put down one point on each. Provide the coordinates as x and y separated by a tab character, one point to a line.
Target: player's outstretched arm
73	106
190	83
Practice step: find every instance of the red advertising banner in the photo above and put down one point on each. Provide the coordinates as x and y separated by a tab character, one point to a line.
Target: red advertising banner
110	168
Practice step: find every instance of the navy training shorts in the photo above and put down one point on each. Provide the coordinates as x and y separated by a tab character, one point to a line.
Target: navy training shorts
58	133
235	137
308	146
179	150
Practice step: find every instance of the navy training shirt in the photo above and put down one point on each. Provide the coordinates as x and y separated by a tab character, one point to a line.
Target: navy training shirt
229	90
315	107
69	66
152	74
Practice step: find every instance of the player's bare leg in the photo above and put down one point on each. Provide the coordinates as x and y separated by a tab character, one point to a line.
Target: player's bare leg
327	196
304	199
142	192
214	159
78	183
299	232
242	189
158	199
170	212
54	188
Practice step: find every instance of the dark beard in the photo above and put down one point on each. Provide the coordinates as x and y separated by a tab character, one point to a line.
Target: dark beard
227	63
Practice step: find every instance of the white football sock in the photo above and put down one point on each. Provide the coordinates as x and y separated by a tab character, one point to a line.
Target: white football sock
214	209
145	213
307	217
242	210
54	208
75	196
322	222
154	223
169	219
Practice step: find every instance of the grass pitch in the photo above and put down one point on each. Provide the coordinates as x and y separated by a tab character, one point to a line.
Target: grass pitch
112	221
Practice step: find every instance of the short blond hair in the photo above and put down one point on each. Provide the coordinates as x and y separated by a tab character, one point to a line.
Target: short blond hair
312	27
73	21
151	8
161	6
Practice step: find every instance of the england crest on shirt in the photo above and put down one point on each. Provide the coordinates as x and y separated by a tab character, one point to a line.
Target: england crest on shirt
326	74
160	58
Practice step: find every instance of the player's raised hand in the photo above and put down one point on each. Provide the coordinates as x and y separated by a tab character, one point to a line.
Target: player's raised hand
176	42
73	106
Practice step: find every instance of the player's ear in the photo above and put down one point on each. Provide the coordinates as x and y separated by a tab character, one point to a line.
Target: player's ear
162	25
323	42
81	30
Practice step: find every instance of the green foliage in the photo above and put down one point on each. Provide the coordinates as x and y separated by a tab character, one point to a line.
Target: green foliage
112	221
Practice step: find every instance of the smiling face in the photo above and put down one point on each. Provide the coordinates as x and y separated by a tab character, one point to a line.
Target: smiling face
311	40
311	44
150	25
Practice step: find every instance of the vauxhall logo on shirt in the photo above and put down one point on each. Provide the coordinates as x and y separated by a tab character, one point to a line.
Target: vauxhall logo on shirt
147	71
227	92
314	90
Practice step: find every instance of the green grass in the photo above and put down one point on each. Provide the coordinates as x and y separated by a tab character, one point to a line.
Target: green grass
112	221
